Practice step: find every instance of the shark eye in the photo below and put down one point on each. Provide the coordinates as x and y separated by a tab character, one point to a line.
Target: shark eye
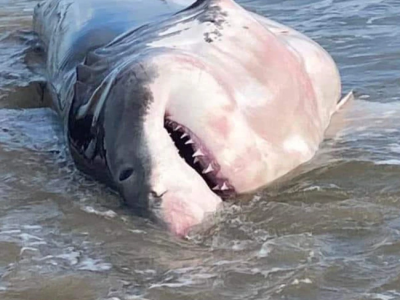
125	174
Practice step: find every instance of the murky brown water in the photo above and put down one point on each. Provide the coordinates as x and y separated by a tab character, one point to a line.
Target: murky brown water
330	231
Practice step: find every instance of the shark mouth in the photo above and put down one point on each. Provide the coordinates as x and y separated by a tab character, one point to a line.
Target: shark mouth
199	158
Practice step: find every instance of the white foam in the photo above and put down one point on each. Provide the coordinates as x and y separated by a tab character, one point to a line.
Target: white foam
10	231
27	249
37	243
94	265
135	297
72	258
391	130
395	148
265	250
381	296
388	162
137	231
28	237
92	210
313	188
173	284
32	227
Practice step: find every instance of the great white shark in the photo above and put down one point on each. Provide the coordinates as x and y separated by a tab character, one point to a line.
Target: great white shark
181	104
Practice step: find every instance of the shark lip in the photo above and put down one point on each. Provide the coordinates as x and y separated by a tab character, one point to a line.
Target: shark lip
199	158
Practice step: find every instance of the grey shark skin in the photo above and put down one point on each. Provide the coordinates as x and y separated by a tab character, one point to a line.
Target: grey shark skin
179	104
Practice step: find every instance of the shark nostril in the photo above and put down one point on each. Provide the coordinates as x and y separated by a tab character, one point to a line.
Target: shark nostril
125	174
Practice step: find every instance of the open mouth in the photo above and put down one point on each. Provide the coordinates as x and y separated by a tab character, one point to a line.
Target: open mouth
199	158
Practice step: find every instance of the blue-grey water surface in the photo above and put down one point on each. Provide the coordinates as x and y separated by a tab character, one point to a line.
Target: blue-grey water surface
331	230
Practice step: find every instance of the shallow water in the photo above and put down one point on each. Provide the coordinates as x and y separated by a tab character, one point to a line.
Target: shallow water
331	230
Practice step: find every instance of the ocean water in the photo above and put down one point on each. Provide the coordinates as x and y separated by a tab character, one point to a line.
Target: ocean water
331	230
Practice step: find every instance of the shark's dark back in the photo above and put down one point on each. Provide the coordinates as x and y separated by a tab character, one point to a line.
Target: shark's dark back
69	29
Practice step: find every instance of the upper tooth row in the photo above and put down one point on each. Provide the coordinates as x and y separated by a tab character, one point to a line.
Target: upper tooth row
199	153
224	187
208	170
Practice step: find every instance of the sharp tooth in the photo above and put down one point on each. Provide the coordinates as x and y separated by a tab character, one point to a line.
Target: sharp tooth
196	160
208	170
216	188
198	153
177	127
224	187
184	135
189	142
